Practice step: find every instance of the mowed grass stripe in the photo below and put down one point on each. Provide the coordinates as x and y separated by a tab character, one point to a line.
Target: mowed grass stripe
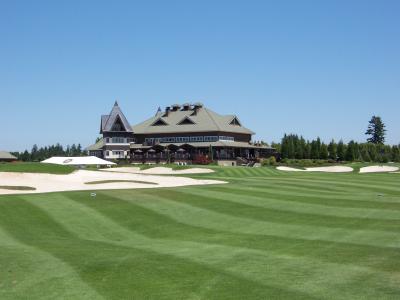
31	271
78	211
369	200
144	264
346	181
279	213
195	216
330	190
298	208
130	215
226	258
187	243
339	187
21	253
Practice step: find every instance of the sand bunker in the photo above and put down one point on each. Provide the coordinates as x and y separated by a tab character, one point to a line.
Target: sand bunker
159	171
378	169
331	169
76	181
289	169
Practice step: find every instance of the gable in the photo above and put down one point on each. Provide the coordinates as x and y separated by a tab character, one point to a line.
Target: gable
186	121
115	121
118	125
235	122
159	122
204	120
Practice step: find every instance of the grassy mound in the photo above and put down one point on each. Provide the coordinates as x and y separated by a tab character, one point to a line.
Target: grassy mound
116	181
265	235
17	188
34	167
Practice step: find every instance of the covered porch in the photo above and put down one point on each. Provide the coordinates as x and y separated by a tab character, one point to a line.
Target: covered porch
196	152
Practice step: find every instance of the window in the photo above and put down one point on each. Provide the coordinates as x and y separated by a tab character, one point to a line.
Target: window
226	138
118	140
210	138
130	140
196	138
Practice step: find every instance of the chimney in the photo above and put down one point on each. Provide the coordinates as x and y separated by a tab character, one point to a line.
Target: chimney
176	107
196	108
167	110
186	106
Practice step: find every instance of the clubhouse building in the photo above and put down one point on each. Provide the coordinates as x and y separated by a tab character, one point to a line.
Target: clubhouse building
188	133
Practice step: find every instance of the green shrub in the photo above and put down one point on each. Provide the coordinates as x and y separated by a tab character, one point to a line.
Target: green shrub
269	161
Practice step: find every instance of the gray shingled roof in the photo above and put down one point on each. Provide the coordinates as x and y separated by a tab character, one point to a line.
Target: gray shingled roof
98	146
204	120
107	121
6	155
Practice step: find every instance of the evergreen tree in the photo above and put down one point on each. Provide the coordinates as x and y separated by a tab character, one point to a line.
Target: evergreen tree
34	153
376	130
276	146
341	151
299	148
332	149
395	154
350	152
307	150
291	147
315	149
284	147
26	156
323	153
365	153
373	152
79	150
73	150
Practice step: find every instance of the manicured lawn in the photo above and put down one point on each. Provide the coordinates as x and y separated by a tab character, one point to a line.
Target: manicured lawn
34	167
265	235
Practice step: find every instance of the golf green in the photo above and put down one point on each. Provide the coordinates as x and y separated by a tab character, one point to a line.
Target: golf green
266	234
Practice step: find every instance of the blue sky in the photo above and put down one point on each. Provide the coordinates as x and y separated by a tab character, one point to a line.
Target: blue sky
316	68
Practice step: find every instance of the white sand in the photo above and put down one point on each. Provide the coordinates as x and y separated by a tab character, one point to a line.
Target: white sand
159	170
331	169
76	181
289	169
378	169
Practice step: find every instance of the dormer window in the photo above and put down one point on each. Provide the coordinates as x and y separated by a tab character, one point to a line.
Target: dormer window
159	122
186	121
235	122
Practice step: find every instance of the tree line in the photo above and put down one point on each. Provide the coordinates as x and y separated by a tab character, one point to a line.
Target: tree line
42	153
293	146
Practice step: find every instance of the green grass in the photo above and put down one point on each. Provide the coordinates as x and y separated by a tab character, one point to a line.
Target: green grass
265	235
34	167
116	181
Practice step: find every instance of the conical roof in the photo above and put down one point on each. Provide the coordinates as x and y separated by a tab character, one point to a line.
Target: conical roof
107	121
